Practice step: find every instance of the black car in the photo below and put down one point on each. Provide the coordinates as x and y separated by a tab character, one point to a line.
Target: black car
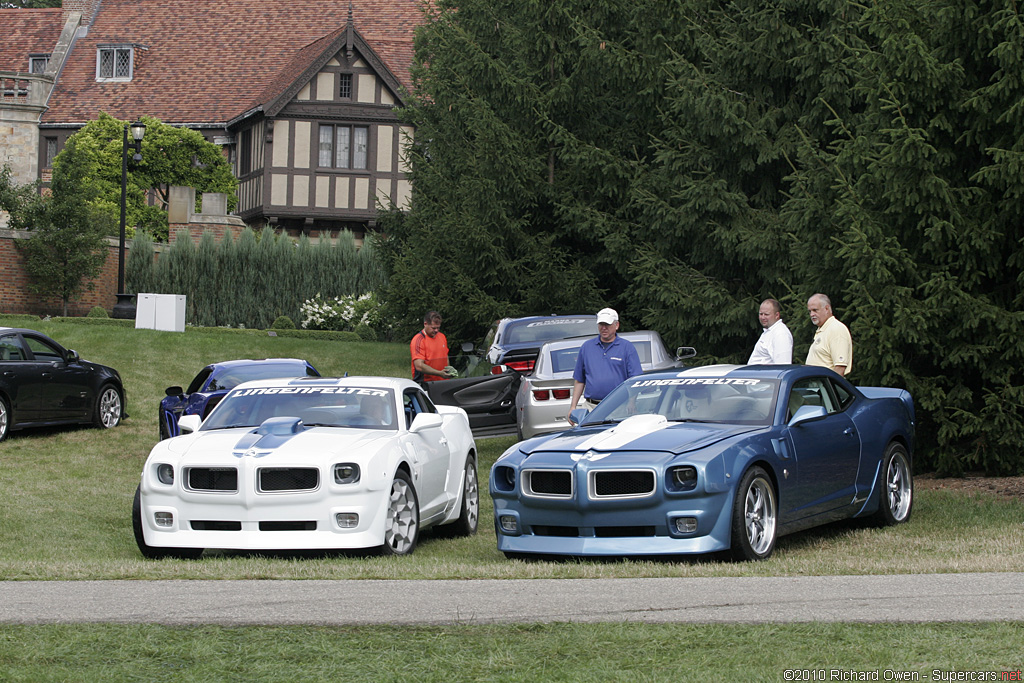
42	383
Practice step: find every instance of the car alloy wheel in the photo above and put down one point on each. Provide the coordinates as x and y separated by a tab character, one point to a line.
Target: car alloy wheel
897	487
5	417
755	515
108	408
401	527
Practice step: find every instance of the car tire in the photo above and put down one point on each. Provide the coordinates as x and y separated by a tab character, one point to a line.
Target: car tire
148	551
5	418
895	487
469	515
107	412
754	517
402	524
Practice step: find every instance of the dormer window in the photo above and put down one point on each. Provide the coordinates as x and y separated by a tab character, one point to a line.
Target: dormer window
114	63
37	63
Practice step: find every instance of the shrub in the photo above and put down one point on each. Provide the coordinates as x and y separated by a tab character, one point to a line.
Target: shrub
365	332
97	312
283	322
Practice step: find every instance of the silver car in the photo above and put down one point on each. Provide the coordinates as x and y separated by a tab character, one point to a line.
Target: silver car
542	402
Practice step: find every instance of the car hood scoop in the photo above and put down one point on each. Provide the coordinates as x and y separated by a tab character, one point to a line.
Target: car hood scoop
639	433
270	435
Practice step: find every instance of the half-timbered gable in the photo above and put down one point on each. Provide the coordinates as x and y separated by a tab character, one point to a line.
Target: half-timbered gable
325	149
300	94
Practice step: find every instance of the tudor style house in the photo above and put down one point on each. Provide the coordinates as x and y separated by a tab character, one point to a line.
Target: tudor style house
299	93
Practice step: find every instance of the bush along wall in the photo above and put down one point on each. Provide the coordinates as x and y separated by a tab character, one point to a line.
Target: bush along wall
253	280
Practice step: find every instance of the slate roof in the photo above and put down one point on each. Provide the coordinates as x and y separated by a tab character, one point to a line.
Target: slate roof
209	61
27	32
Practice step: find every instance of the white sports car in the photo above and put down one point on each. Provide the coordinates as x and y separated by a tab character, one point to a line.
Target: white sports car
310	463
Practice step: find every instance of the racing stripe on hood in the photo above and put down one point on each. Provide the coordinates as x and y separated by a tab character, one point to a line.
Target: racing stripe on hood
273	433
627	431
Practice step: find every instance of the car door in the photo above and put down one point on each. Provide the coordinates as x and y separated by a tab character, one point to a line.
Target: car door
66	391
430	453
489	401
22	379
827	451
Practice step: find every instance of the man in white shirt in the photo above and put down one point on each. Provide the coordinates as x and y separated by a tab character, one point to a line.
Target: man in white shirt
775	347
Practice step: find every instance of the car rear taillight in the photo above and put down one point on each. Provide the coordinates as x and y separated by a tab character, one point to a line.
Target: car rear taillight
520	365
541	395
560	394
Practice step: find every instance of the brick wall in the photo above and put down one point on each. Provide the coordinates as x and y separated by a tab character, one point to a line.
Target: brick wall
16	297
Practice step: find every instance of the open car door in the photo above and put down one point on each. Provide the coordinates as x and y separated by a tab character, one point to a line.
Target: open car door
489	400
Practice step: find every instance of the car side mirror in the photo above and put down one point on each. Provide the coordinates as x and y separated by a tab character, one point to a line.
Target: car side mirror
467	347
73	356
189	424
425	421
576	415
685	352
806	413
174	391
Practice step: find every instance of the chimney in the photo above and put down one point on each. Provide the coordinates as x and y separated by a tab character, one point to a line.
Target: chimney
87	8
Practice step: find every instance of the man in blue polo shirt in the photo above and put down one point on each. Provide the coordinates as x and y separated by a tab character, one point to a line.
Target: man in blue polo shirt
603	363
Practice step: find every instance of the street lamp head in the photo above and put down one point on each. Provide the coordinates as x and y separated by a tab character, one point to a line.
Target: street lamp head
138	129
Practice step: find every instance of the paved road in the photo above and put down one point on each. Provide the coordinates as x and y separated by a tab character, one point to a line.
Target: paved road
901	598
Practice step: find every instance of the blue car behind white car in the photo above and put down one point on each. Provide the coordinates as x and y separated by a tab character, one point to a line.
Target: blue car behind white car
718	458
213	382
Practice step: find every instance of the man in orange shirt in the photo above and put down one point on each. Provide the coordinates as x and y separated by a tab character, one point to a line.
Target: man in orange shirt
429	351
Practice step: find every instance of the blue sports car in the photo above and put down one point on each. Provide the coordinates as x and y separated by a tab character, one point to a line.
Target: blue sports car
718	458
214	382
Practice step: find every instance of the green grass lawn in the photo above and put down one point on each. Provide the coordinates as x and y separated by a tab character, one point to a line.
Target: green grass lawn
66	515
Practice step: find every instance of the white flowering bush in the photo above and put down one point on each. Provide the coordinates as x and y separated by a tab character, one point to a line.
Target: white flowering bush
342	313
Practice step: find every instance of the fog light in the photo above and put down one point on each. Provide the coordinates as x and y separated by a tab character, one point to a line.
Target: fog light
686	525
347	520
165	473
508	524
164	519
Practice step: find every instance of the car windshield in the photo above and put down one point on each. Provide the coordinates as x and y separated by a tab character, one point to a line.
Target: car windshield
248	373
360	407
727	400
549	330
564	360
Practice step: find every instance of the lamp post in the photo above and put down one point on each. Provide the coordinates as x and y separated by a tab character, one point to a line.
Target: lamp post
124	308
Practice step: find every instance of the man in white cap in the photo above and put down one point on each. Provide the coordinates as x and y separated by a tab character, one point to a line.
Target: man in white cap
603	362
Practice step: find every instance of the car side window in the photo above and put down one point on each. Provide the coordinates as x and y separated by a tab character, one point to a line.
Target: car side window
198	381
414	401
844	397
43	351
10	349
812	391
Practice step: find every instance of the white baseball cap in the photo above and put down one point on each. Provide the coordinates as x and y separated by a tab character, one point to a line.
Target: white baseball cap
607	316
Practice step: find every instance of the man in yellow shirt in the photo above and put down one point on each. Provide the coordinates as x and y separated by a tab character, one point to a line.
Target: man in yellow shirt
832	346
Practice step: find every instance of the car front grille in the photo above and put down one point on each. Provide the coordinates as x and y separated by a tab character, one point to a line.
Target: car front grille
288	479
621	483
548	483
213	479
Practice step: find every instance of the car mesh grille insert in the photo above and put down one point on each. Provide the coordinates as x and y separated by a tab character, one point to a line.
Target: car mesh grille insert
289	478
550	483
617	483
213	479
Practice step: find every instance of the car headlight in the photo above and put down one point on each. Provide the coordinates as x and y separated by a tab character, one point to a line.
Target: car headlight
165	473
505	478
346	473
682	478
